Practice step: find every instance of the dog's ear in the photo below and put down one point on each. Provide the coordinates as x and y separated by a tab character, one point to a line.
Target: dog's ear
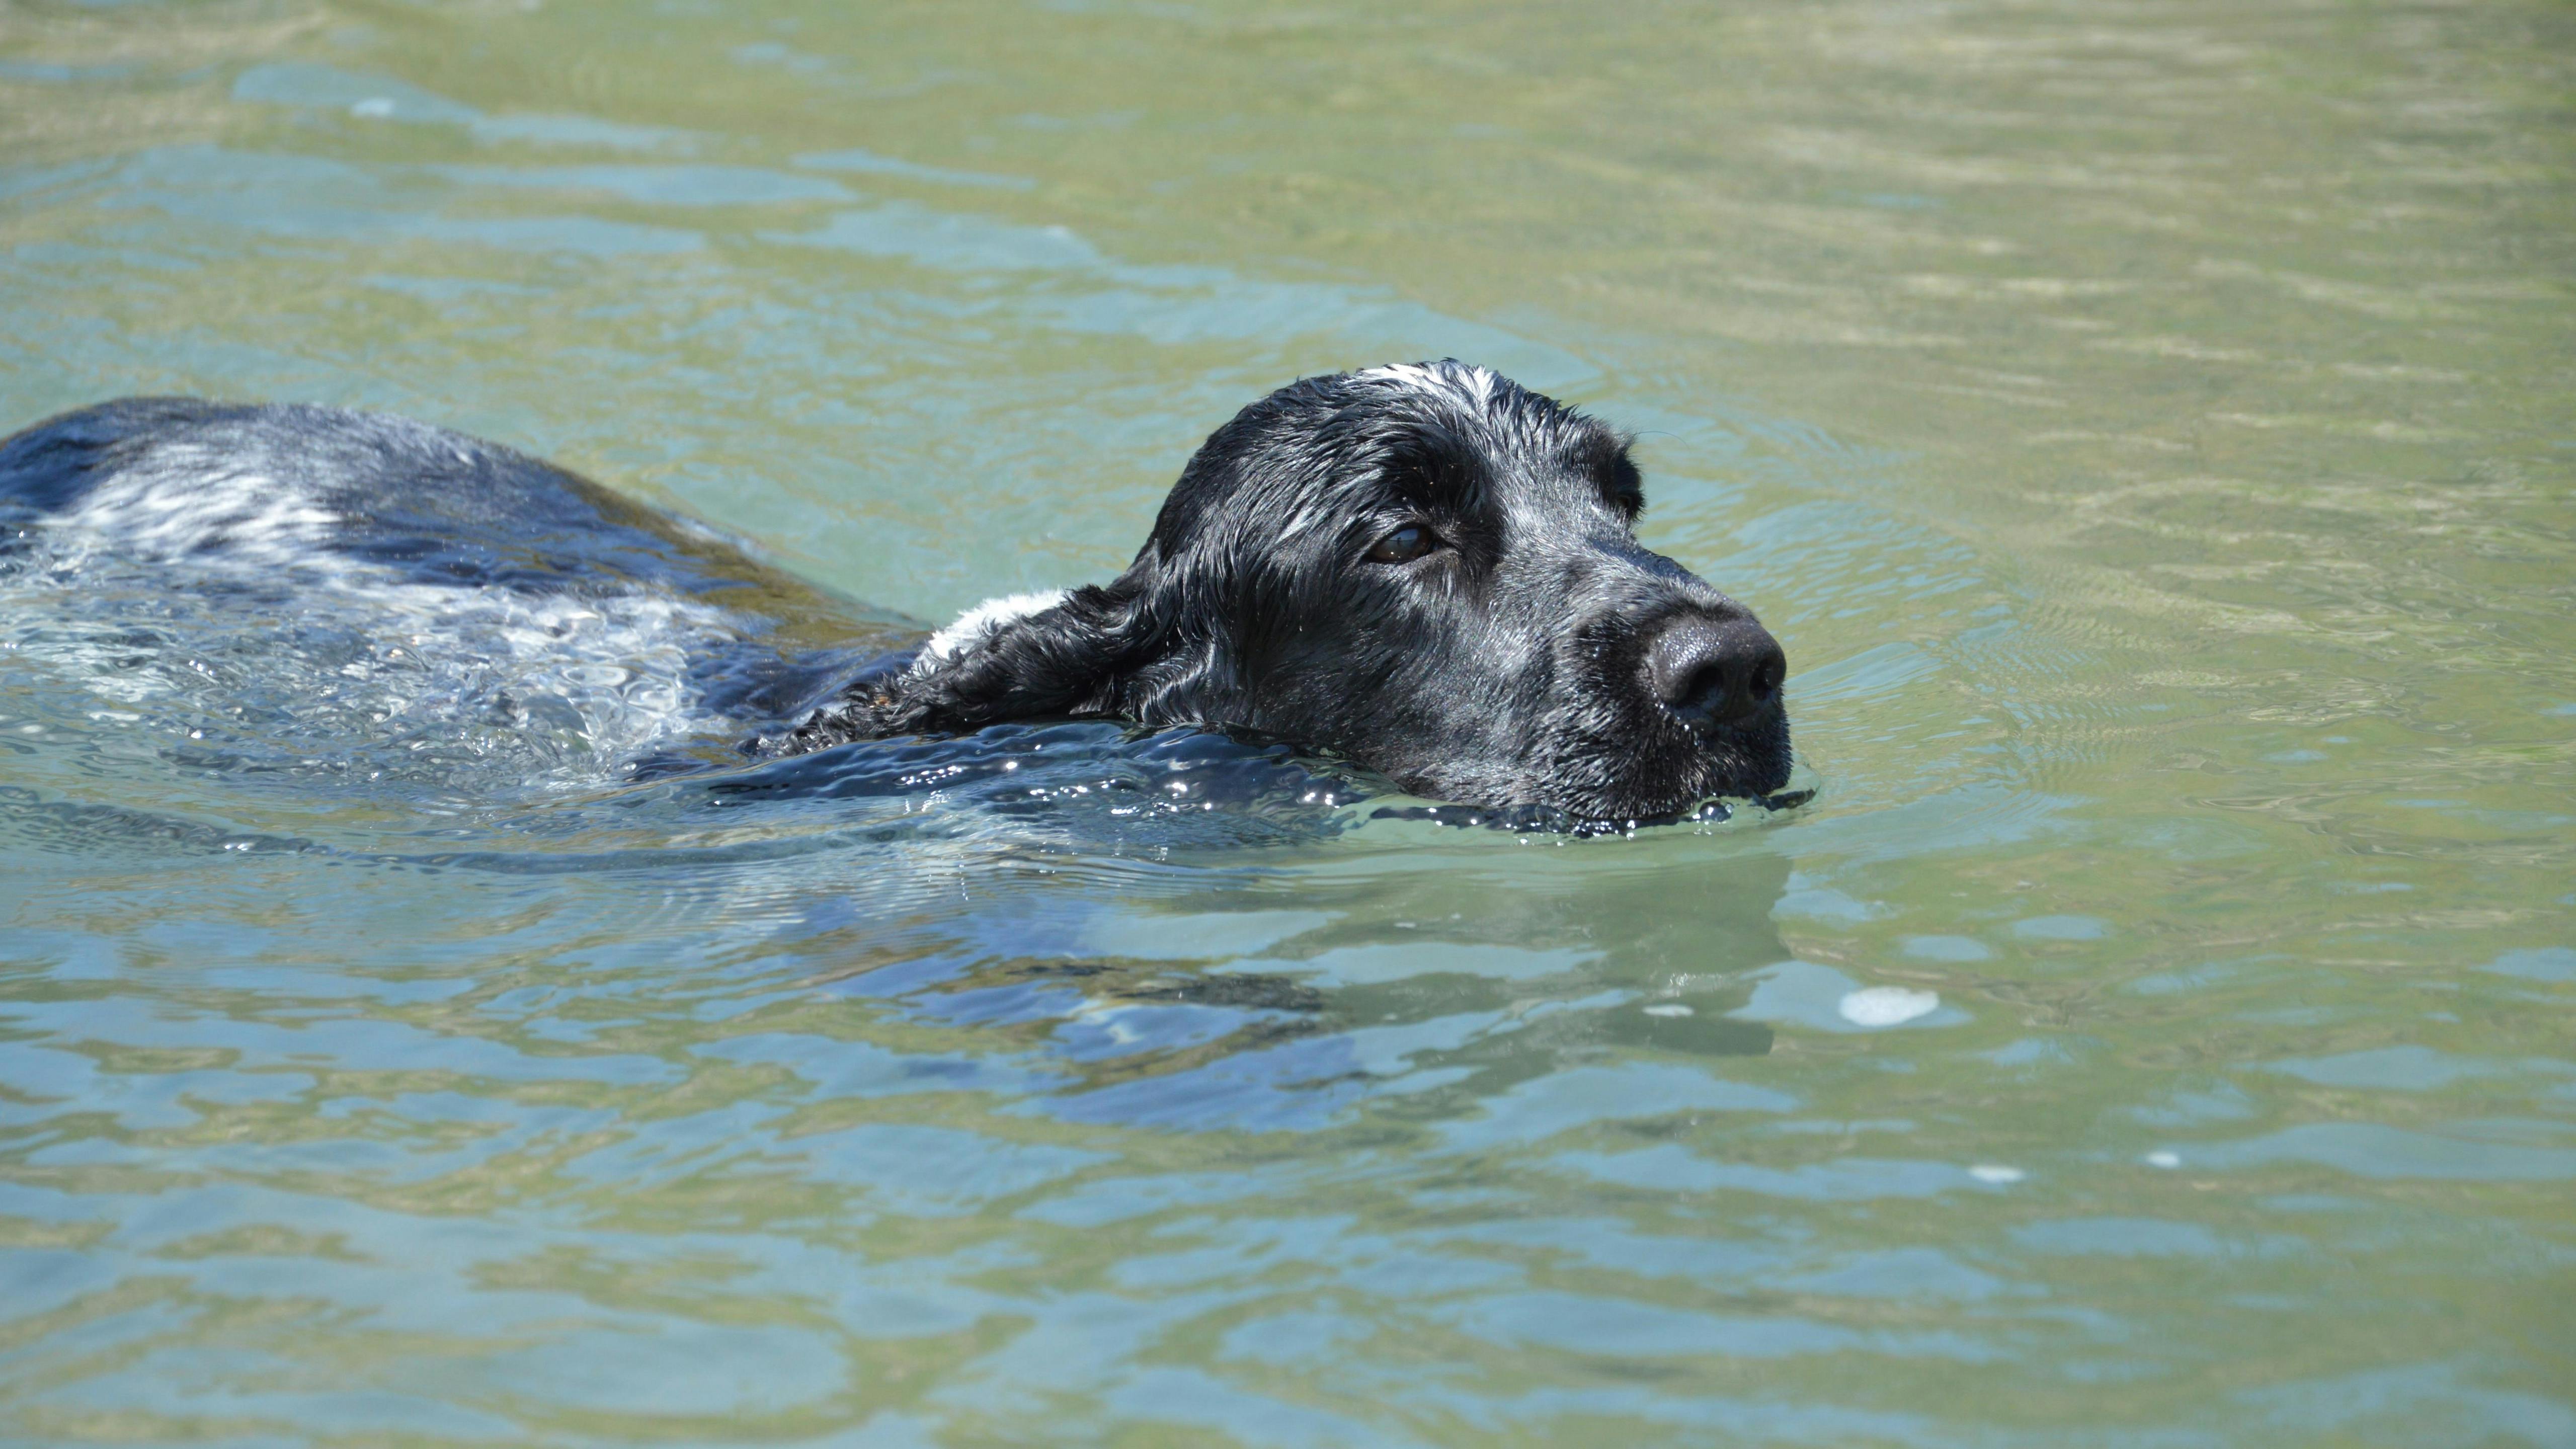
1127	649
1116	649
1023	656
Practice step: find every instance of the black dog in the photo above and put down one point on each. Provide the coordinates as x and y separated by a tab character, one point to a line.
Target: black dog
1427	569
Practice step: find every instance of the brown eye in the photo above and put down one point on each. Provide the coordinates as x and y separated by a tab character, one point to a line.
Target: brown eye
1404	545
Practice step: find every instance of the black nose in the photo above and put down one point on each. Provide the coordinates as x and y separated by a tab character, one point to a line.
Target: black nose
1715	669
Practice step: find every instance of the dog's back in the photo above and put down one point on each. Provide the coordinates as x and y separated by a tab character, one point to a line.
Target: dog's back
323	581
292	486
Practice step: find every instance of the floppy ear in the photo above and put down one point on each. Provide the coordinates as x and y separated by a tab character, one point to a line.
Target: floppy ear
1094	651
1028	655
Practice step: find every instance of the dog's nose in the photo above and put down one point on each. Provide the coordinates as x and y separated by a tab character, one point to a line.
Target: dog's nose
1714	670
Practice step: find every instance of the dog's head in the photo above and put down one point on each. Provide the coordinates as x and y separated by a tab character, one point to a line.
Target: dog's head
1428	569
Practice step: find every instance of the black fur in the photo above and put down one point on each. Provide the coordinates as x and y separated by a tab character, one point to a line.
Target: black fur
1512	666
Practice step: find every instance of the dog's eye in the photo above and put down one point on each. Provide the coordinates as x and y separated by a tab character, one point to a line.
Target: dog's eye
1404	545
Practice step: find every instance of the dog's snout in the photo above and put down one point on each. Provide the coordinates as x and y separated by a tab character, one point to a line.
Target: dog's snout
1711	670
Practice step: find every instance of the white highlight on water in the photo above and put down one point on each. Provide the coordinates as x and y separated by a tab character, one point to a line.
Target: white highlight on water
1887	1005
2164	1159
1996	1173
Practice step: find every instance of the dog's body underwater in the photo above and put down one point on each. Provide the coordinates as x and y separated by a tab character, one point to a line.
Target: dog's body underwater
1425	569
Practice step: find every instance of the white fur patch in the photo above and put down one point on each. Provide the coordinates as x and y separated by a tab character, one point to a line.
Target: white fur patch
256	519
1471	385
980	623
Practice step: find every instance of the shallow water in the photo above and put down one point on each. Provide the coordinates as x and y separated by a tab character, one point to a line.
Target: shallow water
2145	424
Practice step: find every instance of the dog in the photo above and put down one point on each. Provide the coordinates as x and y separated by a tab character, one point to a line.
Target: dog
1425	569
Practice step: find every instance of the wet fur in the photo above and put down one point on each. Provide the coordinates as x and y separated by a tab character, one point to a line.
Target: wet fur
1507	670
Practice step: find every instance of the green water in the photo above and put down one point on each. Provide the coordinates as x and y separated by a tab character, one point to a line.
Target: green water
2147	426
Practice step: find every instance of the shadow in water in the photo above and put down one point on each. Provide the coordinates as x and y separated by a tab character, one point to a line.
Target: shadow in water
1424	978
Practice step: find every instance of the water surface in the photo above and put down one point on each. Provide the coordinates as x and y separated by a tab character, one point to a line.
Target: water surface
2144	424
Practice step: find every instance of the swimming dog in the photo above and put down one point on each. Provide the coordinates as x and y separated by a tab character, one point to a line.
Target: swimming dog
1426	569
